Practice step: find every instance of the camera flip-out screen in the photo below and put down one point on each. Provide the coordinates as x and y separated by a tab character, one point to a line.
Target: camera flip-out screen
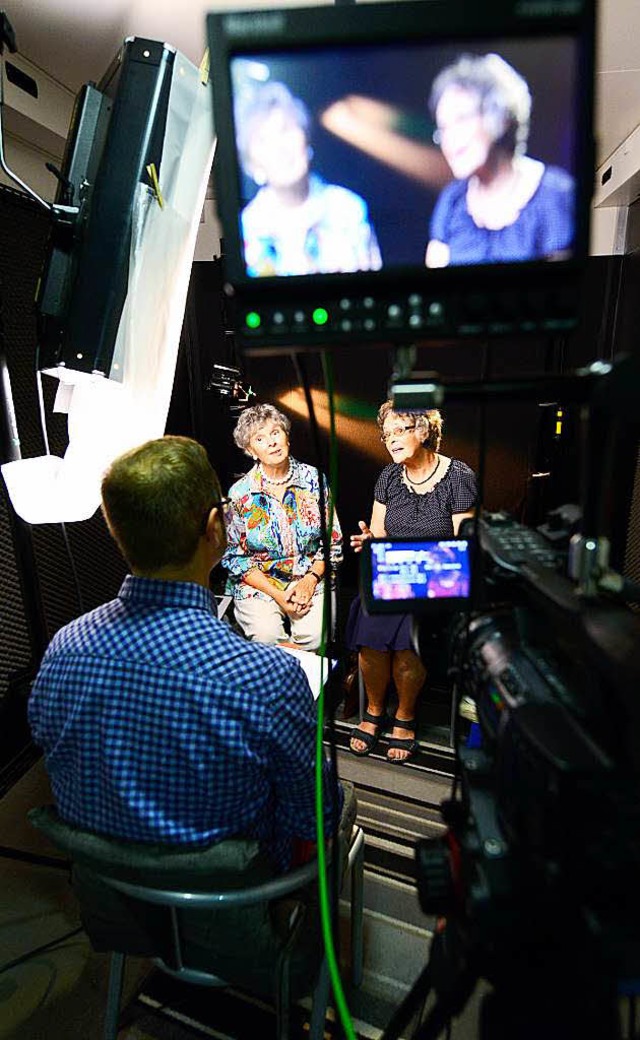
412	575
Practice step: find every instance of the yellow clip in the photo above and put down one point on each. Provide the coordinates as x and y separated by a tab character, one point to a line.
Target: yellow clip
153	177
204	67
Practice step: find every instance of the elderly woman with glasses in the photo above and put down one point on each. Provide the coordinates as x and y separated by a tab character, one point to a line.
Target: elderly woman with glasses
277	573
502	205
424	494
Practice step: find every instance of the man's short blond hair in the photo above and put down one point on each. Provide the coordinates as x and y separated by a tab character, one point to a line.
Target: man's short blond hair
155	500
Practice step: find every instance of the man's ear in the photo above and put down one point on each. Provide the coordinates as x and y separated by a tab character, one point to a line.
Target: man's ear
215	529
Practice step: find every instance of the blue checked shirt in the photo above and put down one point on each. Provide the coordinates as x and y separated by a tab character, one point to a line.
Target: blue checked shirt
160	724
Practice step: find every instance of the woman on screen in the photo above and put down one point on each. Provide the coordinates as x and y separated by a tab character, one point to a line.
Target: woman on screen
502	206
274	554
420	494
296	223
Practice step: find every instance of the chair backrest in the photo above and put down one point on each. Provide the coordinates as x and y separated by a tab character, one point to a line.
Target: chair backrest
152	900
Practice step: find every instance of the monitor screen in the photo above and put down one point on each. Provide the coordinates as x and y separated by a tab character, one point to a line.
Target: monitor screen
413	573
368	158
416	167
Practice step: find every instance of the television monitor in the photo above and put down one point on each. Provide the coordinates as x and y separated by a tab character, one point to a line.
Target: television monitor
356	200
414	574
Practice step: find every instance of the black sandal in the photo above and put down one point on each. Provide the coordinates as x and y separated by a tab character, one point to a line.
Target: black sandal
368	739
408	744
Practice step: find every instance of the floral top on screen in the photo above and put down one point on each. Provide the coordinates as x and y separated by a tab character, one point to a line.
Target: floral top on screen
329	231
282	539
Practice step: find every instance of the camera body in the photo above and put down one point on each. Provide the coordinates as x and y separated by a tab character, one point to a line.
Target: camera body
538	868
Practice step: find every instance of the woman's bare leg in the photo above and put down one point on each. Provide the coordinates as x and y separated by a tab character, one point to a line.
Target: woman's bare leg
409	675
375	666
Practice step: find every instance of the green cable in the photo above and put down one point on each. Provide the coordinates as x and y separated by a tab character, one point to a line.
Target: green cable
325	913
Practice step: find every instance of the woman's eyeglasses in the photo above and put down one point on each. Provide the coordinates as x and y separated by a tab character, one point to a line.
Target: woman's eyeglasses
397	431
460	121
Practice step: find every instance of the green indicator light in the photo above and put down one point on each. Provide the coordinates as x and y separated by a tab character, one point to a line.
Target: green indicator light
253	320
320	316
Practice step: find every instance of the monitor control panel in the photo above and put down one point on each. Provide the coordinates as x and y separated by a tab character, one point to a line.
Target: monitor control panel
404	316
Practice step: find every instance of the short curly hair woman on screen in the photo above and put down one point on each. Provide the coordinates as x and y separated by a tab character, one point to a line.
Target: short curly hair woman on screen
502	206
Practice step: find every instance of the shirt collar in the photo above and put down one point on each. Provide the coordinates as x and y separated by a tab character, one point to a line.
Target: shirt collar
155	592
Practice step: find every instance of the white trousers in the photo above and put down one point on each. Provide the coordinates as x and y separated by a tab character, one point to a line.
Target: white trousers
262	620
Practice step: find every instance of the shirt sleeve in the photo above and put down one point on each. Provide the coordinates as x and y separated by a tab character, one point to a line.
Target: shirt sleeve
441	216
381	490
292	760
465	489
555	205
369	258
237	559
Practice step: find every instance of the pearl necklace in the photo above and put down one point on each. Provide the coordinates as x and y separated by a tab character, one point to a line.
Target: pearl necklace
282	480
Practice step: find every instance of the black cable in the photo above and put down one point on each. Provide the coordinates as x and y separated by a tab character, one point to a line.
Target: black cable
35	859
74	572
300	366
45	439
40	949
327	368
418	994
476	557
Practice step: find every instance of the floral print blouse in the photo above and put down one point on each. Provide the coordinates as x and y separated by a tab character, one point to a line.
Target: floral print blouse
282	539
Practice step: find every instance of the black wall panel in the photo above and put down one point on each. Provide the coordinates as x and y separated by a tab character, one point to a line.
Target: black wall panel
23	234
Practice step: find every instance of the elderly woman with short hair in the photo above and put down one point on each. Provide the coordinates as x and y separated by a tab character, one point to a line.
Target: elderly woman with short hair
502	206
424	494
296	223
275	562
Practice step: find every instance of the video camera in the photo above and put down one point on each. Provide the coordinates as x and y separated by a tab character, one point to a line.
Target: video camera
536	876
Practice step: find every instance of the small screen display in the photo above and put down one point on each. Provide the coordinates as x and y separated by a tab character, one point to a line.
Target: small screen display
392	157
418	570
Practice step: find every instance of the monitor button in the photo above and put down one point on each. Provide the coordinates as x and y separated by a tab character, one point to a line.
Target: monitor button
435	313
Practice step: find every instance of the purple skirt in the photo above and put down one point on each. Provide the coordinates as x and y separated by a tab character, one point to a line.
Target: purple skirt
382	632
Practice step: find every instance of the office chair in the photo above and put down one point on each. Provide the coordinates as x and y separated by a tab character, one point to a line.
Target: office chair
172	906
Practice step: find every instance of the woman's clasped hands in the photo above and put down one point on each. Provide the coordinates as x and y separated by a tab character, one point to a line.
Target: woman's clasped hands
298	596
